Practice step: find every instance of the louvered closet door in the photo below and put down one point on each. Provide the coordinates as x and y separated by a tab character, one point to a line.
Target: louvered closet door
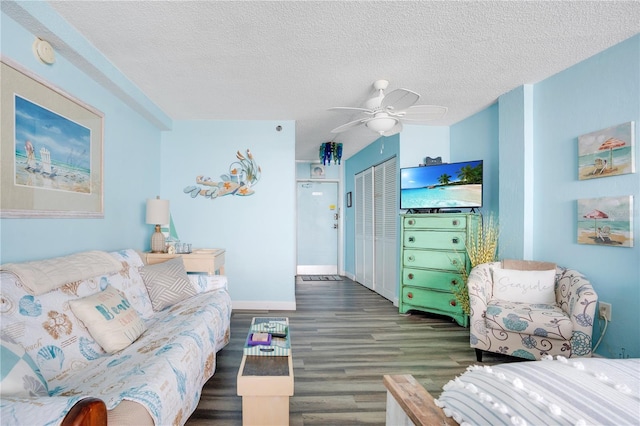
385	225
364	228
358	204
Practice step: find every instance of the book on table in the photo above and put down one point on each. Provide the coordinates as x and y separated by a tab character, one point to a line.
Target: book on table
278	342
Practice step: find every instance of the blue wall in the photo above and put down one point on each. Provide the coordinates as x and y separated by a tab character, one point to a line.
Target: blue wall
533	133
595	94
476	139
131	165
257	231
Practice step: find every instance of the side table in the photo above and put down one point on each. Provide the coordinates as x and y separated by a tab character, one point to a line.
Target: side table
210	261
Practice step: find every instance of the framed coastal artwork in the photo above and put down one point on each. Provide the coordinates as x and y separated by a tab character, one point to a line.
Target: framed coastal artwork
607	152
606	221
51	150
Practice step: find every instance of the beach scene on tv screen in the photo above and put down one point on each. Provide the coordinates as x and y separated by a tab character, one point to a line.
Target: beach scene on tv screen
442	186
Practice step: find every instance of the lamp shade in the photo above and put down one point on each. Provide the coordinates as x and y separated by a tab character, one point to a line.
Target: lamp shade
157	211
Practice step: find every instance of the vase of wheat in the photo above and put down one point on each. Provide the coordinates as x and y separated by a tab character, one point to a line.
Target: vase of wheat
482	247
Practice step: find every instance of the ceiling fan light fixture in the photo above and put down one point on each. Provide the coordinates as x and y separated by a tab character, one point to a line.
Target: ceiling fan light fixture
381	124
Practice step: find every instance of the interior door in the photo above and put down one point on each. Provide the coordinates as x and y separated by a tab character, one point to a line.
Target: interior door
317	228
364	242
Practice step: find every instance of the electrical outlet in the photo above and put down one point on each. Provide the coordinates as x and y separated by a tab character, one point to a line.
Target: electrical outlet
604	311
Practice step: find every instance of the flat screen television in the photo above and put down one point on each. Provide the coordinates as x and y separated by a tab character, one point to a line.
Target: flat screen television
441	186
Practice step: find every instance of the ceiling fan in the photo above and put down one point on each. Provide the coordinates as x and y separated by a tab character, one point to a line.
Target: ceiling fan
384	114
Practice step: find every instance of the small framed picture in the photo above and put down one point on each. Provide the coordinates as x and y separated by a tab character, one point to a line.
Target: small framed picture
349	199
317	171
606	221
607	152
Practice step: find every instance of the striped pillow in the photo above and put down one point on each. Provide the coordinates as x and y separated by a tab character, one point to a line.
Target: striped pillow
167	283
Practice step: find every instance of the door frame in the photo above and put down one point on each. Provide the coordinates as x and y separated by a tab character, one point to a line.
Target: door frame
341	222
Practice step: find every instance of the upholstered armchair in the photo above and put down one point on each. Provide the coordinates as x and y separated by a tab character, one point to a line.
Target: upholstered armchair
561	325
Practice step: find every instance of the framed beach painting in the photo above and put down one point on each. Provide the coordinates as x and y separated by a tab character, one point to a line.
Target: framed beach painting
51	150
606	221
607	152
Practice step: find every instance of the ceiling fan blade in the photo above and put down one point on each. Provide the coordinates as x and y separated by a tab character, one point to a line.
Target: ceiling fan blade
350	125
395	129
399	99
424	113
350	109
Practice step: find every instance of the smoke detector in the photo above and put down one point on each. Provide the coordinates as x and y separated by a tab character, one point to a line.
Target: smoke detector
43	51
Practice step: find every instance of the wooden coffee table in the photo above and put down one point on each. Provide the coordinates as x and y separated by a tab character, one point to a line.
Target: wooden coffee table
265	384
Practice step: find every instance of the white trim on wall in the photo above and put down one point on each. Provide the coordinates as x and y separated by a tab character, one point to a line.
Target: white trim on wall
260	305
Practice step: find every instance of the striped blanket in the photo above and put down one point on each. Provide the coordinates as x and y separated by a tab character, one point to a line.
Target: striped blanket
582	391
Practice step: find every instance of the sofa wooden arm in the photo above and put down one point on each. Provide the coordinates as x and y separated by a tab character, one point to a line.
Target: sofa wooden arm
414	400
87	412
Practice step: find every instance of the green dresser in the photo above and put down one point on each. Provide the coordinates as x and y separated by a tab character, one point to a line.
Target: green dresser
433	251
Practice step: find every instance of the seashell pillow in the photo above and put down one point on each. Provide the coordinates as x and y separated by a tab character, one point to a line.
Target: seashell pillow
19	374
110	319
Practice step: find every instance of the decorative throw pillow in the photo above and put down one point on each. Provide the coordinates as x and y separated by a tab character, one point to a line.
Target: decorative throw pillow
167	283
524	286
110	319
19	374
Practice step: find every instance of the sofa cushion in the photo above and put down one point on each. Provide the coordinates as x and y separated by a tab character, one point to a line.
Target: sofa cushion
524	286
531	319
167	283
19	374
110	319
49	331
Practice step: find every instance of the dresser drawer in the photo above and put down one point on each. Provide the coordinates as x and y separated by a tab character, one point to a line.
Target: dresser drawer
445	260
436	222
441	301
447	240
437	280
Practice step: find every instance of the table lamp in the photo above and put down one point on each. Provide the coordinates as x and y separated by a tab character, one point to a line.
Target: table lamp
157	214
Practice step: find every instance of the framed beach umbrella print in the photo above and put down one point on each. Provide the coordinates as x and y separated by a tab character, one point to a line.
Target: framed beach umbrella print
607	152
606	221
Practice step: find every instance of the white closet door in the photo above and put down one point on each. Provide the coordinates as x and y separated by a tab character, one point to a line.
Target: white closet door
368	232
364	228
358	204
376	214
386	216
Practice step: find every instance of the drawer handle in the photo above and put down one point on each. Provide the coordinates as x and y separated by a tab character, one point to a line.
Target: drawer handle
411	258
452	303
455	240
411	222
454	261
454	282
410	276
412	239
409	295
455	222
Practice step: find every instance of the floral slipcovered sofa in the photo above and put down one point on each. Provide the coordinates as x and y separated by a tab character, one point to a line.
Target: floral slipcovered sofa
142	338
526	318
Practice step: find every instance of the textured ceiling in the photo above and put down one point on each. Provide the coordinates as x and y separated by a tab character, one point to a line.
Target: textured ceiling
254	60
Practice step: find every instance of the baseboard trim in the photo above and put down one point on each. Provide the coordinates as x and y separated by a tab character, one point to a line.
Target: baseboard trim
316	270
263	305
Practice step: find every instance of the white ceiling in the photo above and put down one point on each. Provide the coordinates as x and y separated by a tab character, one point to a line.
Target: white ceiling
285	60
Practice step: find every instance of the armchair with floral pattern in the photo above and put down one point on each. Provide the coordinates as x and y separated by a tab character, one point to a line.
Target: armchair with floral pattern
532	330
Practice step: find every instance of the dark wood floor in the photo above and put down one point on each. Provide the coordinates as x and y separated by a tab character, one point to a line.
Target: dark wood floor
344	339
